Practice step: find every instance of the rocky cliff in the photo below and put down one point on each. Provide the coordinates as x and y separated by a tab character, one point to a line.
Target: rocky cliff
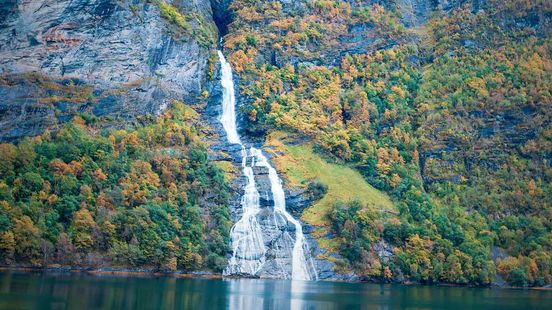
432	110
119	58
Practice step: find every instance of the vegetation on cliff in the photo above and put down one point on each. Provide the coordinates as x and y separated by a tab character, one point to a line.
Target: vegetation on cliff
144	196
432	143
187	24
451	119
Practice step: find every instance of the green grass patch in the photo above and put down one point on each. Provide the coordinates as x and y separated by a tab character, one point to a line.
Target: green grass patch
301	165
172	14
228	169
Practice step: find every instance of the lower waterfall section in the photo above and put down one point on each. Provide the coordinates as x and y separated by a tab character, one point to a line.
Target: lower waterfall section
249	248
299	262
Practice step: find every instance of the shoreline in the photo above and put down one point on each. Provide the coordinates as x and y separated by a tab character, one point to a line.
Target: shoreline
130	272
116	271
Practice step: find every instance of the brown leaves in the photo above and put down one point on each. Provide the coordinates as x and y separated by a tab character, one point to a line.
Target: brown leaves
59	168
141	183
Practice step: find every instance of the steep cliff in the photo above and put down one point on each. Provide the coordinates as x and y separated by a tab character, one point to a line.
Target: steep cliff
105	57
444	105
437	111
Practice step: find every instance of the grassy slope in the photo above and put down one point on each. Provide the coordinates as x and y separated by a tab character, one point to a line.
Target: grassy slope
300	164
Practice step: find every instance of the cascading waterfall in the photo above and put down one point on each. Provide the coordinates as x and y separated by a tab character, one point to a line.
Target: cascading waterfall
247	240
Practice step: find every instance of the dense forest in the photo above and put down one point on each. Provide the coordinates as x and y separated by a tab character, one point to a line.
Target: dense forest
144	196
449	116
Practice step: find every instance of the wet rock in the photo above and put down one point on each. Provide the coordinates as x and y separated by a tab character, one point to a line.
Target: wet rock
297	199
222	14
300	198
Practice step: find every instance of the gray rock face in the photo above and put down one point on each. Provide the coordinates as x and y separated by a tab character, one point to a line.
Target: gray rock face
384	251
106	44
417	12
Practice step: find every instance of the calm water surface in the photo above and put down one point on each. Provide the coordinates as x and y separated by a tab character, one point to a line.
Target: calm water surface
79	291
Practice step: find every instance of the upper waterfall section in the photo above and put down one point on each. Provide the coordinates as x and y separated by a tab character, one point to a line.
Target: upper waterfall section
228	117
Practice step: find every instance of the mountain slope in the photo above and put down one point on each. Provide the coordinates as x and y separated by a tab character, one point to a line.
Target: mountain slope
438	112
447	110
122	59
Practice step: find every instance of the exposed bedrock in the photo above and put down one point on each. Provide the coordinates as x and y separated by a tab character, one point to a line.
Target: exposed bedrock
132	58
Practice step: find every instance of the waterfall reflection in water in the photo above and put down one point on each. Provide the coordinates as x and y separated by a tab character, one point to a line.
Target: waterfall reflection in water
44	291
265	294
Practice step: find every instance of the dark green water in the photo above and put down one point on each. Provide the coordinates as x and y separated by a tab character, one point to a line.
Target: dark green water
79	291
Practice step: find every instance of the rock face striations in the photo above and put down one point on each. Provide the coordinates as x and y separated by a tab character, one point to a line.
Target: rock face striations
122	58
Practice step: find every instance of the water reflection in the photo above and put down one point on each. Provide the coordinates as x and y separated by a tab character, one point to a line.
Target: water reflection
266	294
261	294
79	291
297	290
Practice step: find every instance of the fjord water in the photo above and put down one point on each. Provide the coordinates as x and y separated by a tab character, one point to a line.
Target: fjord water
248	249
80	291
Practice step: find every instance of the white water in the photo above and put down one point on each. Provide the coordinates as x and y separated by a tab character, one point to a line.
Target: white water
228	117
247	240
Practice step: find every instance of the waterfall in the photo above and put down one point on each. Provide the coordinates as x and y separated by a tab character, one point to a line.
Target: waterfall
228	117
248	248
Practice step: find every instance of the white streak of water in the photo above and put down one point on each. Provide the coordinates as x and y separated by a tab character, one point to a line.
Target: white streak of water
228	117
247	240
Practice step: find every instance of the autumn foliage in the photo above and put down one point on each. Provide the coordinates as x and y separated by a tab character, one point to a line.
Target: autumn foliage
133	197
452	119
